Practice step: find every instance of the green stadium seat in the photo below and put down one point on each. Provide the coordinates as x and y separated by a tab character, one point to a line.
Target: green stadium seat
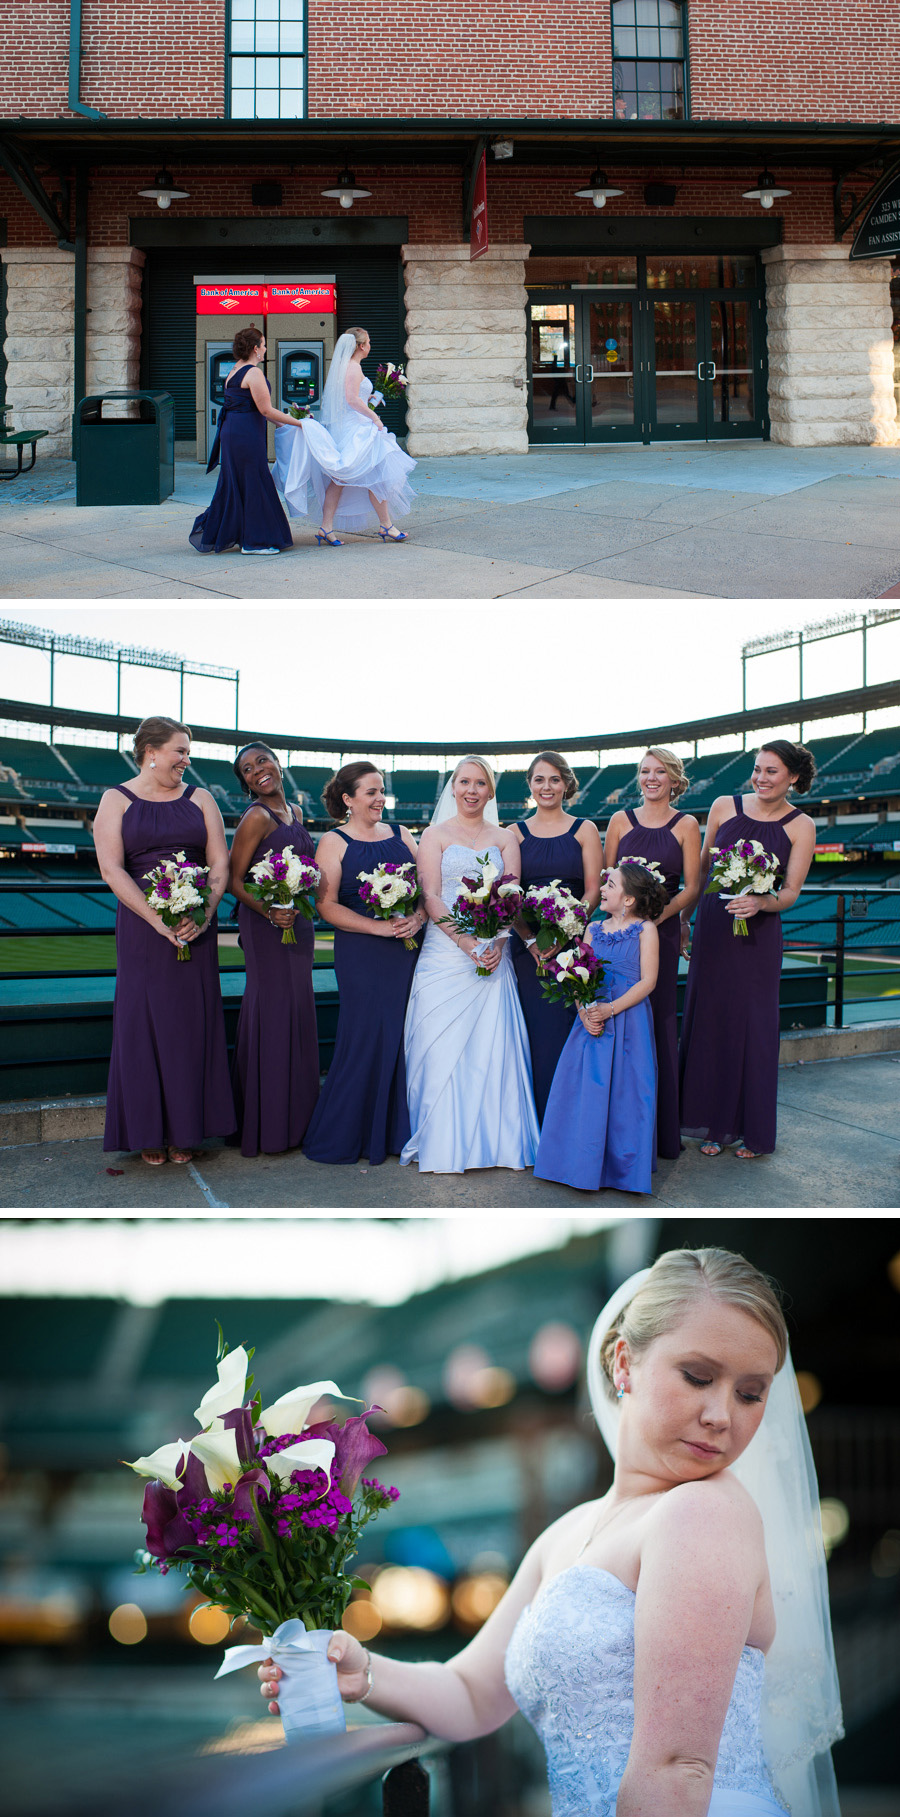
58	833
94	765
32	911
32	757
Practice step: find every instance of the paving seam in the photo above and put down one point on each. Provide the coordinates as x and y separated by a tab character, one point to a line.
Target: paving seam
822	1117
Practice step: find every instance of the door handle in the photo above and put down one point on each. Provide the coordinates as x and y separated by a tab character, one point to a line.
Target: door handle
700	364
577	370
589	374
712	363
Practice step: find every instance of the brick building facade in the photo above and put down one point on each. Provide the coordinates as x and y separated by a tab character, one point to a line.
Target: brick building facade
680	308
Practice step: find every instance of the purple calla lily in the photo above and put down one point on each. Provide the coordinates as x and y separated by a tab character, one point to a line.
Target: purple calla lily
246	1490
354	1448
240	1422
167	1530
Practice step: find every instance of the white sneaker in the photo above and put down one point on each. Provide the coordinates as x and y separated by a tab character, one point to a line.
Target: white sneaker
260	551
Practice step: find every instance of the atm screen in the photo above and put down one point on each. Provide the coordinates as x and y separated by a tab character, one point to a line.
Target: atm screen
301	369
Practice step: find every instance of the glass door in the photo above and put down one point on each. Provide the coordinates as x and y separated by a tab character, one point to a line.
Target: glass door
733	381
557	405
678	404
612	370
586	384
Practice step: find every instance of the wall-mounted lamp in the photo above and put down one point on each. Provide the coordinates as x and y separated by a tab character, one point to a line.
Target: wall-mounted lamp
347	191
502	148
599	189
164	190
766	190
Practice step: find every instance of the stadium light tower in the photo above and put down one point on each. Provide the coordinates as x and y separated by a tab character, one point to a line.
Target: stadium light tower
842	624
66	643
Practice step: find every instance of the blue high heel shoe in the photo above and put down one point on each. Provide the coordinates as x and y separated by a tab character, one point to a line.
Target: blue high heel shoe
328	536
390	534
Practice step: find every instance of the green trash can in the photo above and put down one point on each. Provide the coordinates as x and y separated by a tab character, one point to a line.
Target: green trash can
125	460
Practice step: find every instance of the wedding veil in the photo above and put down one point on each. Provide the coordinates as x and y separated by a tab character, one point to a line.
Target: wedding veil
801	1704
446	806
335	409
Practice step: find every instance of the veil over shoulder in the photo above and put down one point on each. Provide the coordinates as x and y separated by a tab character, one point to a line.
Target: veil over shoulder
346	448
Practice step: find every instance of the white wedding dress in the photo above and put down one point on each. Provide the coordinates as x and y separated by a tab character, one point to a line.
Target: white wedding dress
468	1070
359	455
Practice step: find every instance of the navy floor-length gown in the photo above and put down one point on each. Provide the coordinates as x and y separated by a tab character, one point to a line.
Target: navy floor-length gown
730	1033
275	1071
245	509
362	1109
659	844
168	1070
548	1024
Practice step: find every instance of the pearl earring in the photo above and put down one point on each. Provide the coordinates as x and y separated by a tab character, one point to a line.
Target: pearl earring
620	1391
153	763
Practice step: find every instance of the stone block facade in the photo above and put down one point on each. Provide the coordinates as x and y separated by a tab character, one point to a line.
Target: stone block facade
40	333
465	326
831	354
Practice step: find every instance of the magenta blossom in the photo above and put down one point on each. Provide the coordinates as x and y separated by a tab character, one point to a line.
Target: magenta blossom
354	1448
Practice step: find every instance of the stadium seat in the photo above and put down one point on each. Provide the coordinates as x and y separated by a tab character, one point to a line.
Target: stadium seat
99	767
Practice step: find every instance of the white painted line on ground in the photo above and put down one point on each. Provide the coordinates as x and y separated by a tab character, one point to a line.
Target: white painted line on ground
207	1191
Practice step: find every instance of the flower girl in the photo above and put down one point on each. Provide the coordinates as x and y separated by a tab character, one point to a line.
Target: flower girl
600	1126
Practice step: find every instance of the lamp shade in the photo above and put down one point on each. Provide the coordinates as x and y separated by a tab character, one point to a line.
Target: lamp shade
766	190
599	189
164	191
347	190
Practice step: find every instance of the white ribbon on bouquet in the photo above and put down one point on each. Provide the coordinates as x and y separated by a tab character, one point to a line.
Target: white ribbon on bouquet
308	1694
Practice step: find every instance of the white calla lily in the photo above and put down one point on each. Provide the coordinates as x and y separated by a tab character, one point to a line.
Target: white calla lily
217	1452
228	1392
291	1412
310	1454
163	1464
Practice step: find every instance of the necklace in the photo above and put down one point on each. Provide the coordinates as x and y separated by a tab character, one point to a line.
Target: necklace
600	1524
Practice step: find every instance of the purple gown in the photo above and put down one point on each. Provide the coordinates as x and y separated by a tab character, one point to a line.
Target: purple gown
275	1071
168	1069
548	1024
245	509
659	844
362	1109
730	1031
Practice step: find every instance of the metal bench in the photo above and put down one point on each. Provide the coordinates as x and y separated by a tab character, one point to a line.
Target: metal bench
19	439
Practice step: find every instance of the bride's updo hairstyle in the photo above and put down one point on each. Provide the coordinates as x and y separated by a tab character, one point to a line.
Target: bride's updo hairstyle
649	894
346	781
555	761
483	765
797	759
359	334
676	1281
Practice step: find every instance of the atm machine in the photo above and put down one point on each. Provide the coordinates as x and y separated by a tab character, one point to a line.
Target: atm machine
300	331
223	306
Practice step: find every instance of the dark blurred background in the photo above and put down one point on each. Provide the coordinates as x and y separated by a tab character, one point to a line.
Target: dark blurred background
489	1436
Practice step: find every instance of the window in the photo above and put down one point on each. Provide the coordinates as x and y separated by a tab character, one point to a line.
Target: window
267	62
649	64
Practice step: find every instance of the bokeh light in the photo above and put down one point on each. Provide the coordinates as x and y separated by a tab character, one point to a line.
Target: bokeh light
362	1619
893	1269
886	1556
554	1357
408	1596
463	1366
209	1625
475	1598
128	1624
810	1389
835	1522
492	1387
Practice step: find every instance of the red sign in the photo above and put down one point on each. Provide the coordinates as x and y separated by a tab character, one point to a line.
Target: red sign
47	848
231	299
827	848
321	299
479	232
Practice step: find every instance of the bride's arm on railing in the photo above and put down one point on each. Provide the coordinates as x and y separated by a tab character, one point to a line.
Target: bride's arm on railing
458	1701
430	854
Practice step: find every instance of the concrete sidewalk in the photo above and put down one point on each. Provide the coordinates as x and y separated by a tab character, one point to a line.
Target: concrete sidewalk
742	520
838	1147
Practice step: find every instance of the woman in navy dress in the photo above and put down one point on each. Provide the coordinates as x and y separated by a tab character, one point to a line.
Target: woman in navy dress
555	847
362	1109
245	508
672	841
275	1071
600	1126
730	1033
168	1071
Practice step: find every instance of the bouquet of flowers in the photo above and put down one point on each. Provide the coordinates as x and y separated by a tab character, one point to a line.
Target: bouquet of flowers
298	411
285	880
176	891
555	914
390	383
574	976
389	888
486	905
262	1512
743	869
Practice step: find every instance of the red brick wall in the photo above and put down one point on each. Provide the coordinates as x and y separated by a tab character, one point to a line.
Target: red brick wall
834	60
432	198
750	59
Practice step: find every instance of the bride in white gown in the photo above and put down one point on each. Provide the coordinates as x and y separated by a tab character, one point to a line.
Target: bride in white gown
353	463
468	1070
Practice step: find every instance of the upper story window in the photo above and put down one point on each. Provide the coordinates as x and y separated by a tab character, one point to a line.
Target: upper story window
649	63
266	59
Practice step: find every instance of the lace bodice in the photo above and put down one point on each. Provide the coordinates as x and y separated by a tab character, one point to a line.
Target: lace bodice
459	861
570	1668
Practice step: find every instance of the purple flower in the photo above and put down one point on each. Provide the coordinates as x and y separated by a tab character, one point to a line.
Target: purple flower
167	1529
354	1447
240	1422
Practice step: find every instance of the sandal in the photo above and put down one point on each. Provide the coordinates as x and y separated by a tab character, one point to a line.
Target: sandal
154	1157
390	534
180	1156
328	536
710	1149
747	1154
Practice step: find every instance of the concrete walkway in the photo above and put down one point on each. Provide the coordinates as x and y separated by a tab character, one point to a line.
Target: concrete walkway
742	520
838	1148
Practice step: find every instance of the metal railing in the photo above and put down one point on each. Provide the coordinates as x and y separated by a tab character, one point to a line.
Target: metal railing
834	952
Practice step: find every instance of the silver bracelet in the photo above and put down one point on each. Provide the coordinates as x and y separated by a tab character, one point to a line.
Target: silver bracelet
368	1671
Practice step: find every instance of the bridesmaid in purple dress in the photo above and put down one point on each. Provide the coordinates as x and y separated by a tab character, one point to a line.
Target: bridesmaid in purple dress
275	1072
362	1109
555	847
168	1071
730	1032
673	842
245	508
